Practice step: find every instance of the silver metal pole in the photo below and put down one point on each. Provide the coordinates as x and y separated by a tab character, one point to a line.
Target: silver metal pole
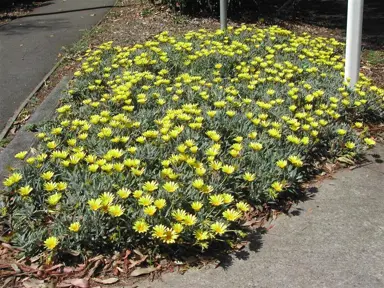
354	34
223	14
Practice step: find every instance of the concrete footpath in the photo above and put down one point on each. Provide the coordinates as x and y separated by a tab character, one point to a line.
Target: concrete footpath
335	239
29	46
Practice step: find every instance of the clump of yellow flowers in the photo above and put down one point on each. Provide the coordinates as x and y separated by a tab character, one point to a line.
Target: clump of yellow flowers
169	142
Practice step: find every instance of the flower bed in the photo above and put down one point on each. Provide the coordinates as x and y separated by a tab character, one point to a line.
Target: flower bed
169	143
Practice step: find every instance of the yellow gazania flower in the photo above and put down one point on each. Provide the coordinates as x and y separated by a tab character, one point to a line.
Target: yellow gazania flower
145	200
219	228
255	146
190	143
350	145
94	204
106	198
242	206
107	167
82	136
194	149
160	203
281	163
51	242
293	139
227	198
179	215
59	154
177	227
21	155
277	186
60	186
295	160
196	205
123	193
190	220
231	214
314	133
74	227
200	171
228	169
170	236
137	193
216	165
50	186
198	183
14	178
213	135
234	153
274	133
93	167
25	190
116	210
211	113
118	167
231	113
74	159
54	199
51	145
41	135
101	162
201	235
150	210
138	172
71	142
150	186
216	200
170	187
159	231
140	139
132	150
341	131
238	139
305	140
140	226
249	177
358	124
369	141
31	160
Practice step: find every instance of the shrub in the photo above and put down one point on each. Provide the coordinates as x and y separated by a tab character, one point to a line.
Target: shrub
167	143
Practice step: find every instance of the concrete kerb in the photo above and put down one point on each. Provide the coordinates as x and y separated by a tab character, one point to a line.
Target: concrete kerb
25	139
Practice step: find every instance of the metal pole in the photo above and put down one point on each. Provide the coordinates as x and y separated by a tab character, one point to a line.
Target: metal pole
354	34
223	14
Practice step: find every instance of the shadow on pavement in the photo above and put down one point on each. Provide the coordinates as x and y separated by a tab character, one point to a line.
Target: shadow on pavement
255	244
69	11
26	27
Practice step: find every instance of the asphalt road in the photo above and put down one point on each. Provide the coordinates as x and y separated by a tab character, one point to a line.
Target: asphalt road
29	46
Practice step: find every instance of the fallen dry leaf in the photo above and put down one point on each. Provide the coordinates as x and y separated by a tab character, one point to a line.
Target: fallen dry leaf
8	282
106	281
92	270
34	283
78	282
15	267
141	271
135	263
